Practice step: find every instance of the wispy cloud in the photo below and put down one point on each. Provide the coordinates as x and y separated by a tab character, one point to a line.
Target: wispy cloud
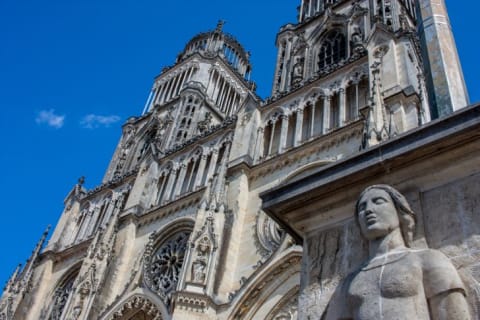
93	121
50	118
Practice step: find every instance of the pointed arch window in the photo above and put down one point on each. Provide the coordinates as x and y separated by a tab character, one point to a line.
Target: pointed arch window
61	296
332	50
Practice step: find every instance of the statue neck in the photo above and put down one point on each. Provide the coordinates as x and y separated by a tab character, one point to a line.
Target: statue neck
381	246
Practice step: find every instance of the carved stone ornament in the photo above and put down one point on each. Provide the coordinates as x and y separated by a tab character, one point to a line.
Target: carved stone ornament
199	266
269	235
397	282
60	299
288	311
138	308
163	267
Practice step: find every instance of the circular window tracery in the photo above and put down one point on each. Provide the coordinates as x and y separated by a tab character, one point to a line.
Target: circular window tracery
165	264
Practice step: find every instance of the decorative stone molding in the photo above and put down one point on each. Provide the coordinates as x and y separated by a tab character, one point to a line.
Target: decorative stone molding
268	234
137	303
193	302
287	308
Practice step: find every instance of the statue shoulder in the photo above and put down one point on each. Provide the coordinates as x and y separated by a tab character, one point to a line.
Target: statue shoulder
439	273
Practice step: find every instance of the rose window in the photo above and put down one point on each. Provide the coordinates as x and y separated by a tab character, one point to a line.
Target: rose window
166	264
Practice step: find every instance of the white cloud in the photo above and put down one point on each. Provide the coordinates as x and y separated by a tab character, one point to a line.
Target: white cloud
93	121
49	118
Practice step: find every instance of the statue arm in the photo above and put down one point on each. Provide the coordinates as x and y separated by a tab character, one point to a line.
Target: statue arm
444	288
450	305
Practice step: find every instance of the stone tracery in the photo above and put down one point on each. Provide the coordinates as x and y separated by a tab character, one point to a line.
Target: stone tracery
163	267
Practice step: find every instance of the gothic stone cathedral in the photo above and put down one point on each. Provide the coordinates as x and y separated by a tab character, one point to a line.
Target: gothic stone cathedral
177	229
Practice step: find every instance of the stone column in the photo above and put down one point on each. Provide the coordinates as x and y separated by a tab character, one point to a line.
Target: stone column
171	180
213	163
200	172
342	108
95	216
160	190
221	92
190	73
180	181
210	78
259	144
326	114
272	135
283	134
167	90
85	224
298	128
108	213
357	102
312	119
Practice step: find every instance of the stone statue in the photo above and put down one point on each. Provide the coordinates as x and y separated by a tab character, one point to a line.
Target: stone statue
297	73
357	40
396	282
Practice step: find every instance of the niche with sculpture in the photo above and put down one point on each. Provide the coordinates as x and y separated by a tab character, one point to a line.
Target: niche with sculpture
200	263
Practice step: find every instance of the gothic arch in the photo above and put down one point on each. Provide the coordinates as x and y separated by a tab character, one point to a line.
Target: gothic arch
273	114
198	151
304	170
135	302
331	48
60	294
269	287
226	138
287	307
167	166
314	93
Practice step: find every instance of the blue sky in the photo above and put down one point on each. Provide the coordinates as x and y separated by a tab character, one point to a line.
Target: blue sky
71	72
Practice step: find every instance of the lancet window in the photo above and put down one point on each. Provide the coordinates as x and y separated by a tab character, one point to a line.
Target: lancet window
357	98
192	104
226	97
188	175
332	49
60	298
335	111
170	88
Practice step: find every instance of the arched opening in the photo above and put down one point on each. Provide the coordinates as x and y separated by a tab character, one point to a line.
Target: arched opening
61	296
335	111
332	49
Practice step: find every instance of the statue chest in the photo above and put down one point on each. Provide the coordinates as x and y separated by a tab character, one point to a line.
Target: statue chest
392	287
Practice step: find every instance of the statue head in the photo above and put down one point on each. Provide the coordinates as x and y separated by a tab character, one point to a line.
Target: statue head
380	209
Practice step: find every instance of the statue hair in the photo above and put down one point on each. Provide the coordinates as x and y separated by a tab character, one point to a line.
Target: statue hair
406	215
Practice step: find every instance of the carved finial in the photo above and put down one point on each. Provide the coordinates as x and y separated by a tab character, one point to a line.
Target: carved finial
81	180
220	25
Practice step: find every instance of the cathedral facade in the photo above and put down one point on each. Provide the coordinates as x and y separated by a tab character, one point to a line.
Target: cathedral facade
176	229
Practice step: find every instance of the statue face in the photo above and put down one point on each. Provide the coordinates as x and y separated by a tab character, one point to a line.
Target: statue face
377	215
